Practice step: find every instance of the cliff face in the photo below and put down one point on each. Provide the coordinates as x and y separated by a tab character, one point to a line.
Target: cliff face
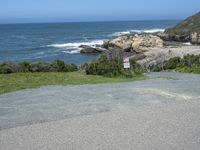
186	31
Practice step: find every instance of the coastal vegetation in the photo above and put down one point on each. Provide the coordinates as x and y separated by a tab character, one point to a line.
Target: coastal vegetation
101	66
18	81
187	64
22	67
186	31
16	76
112	67
186	27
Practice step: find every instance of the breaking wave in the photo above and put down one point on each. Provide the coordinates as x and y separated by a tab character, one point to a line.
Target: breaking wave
188	43
137	31
73	48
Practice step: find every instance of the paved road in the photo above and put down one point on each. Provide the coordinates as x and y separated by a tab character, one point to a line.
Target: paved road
162	112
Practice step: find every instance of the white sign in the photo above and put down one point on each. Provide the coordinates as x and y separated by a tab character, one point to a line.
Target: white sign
126	63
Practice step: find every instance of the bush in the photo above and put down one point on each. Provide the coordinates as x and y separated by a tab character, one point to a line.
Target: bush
155	68
40	67
188	64
172	63
111	67
57	66
137	68
71	68
9	67
191	60
5	69
25	66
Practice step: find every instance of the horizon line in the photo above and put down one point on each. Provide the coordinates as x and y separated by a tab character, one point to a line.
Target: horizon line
52	22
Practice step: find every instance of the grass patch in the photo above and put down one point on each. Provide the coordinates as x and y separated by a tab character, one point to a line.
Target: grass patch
18	81
187	69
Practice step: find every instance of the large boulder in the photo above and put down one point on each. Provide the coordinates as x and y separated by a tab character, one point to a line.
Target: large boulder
122	42
136	43
146	42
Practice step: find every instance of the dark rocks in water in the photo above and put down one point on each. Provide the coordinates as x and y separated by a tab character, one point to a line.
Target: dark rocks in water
90	49
185	31
106	45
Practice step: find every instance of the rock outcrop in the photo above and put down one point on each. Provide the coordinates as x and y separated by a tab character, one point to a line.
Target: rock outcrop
133	44
158	56
174	37
137	43
195	38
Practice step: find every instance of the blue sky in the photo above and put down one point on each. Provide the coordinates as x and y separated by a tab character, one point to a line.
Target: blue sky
20	11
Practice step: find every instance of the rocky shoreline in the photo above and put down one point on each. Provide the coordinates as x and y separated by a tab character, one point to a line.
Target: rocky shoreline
146	49
154	48
193	38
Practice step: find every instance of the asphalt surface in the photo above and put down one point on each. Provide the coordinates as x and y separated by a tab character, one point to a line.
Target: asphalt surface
162	112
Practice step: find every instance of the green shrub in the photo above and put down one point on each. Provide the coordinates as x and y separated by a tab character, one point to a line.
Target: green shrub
137	68
5	69
25	66
172	63
155	68
188	64
191	60
184	69
71	68
40	67
111	67
9	67
58	66
197	69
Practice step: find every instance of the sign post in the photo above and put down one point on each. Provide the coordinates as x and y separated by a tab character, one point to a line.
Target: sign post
126	63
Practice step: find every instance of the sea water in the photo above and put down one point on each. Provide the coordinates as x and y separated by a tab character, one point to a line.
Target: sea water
51	41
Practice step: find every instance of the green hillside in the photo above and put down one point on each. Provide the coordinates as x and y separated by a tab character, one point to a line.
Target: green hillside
186	27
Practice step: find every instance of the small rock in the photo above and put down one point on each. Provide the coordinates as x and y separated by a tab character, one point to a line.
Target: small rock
89	49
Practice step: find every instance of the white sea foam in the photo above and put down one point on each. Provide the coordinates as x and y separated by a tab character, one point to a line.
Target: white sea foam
154	30
76	44
73	48
137	31
188	43
120	33
71	52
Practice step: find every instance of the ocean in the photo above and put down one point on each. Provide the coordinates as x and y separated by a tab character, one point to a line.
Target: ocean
51	41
